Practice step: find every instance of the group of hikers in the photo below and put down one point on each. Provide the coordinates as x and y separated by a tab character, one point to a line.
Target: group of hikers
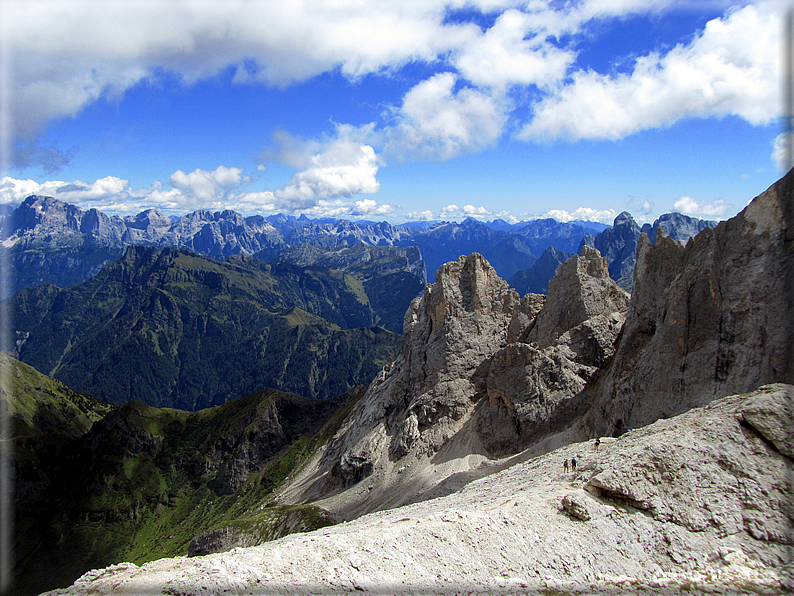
596	445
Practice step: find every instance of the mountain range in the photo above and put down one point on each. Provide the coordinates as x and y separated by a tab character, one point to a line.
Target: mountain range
50	241
448	467
96	484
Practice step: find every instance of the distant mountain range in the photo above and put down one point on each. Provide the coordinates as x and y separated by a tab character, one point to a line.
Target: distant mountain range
53	242
619	243
50	241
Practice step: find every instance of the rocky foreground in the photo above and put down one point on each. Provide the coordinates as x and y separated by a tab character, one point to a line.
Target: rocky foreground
698	503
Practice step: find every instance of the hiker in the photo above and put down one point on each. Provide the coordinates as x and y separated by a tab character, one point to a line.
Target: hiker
573	464
597	443
565	465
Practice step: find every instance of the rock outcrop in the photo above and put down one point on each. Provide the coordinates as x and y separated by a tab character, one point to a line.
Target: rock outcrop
535	383
706	320
481	373
423	399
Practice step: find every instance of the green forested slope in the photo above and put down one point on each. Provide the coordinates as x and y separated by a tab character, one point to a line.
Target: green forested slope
174	329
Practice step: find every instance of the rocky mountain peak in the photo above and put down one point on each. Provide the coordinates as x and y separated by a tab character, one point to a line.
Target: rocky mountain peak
624	219
469	381
707	319
580	290
469	284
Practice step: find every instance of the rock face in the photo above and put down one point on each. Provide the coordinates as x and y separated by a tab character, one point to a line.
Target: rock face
698	480
699	503
535	382
705	320
481	373
420	403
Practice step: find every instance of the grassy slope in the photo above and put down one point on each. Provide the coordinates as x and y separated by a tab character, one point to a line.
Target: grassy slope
143	481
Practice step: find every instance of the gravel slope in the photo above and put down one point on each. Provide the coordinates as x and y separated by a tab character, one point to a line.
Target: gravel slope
700	502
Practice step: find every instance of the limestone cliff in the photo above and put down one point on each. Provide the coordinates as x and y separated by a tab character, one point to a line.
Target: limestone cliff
481	373
706	320
535	384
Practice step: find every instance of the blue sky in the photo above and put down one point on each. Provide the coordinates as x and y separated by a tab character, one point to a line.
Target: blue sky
392	109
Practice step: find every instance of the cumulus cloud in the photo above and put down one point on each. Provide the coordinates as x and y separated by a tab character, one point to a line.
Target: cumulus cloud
207	185
425	215
87	53
473	211
690	206
606	216
437	122
730	68
511	53
110	194
493	78
348	209
345	168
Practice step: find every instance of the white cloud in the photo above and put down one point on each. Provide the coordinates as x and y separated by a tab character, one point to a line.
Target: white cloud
425	215
345	168
369	207
473	211
779	151
690	206
438	122
114	196
348	209
65	55
451	208
207	185
730	69
510	54
606	216
109	194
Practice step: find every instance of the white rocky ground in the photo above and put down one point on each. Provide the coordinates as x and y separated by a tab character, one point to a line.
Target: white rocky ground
698	503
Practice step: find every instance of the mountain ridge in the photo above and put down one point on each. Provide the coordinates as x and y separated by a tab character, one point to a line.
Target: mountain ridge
158	326
465	434
54	242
